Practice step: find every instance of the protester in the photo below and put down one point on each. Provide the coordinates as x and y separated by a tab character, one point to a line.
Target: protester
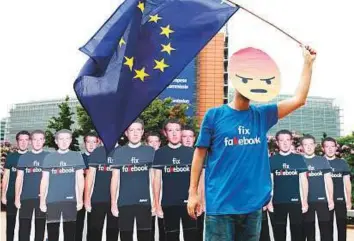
233	140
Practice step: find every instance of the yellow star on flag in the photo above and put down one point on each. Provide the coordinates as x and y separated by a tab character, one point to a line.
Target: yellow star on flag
166	31
140	74
121	42
141	6
161	65
154	18
129	62
167	48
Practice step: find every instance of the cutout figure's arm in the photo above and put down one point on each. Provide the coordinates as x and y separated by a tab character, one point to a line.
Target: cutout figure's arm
329	187
348	191
80	184
18	187
44	190
197	166
115	192
90	176
287	106
304	184
156	190
151	180
4	185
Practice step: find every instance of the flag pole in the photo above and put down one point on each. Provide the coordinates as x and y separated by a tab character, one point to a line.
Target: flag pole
255	15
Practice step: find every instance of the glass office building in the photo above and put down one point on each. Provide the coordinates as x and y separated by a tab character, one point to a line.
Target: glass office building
3	129
35	115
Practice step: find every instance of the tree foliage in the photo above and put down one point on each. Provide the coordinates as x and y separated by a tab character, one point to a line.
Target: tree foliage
64	120
153	116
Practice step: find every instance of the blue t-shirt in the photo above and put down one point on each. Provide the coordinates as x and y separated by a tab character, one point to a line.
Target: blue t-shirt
175	165
11	164
340	168
286	170
62	169
30	163
237	173
317	166
102	181
134	165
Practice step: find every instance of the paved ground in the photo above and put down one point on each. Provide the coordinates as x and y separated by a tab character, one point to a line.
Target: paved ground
3	228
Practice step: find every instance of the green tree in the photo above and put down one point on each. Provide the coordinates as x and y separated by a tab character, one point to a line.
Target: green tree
153	116
63	121
347	148
347	152
84	121
5	149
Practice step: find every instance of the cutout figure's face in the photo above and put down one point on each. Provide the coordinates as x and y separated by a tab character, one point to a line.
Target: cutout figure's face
254	74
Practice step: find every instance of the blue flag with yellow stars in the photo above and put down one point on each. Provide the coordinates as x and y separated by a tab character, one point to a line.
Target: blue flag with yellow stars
135	55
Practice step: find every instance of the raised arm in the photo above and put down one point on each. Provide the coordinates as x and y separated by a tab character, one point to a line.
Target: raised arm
287	106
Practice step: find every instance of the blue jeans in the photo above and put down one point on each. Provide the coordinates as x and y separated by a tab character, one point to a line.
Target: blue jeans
238	227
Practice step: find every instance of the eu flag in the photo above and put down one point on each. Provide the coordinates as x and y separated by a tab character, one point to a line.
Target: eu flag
135	55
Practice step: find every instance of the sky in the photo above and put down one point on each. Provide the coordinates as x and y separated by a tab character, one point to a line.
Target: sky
39	44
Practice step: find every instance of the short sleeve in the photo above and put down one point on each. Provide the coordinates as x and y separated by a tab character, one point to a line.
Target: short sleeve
91	160
79	162
326	166
45	164
117	158
97	157
273	164
20	164
8	162
206	130
269	115
156	164
301	164
346	169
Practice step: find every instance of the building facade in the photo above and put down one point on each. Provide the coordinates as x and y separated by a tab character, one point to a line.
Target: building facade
3	129
318	116
35	115
210	74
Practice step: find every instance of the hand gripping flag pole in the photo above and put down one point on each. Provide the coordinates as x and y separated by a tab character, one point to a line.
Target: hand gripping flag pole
230	2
